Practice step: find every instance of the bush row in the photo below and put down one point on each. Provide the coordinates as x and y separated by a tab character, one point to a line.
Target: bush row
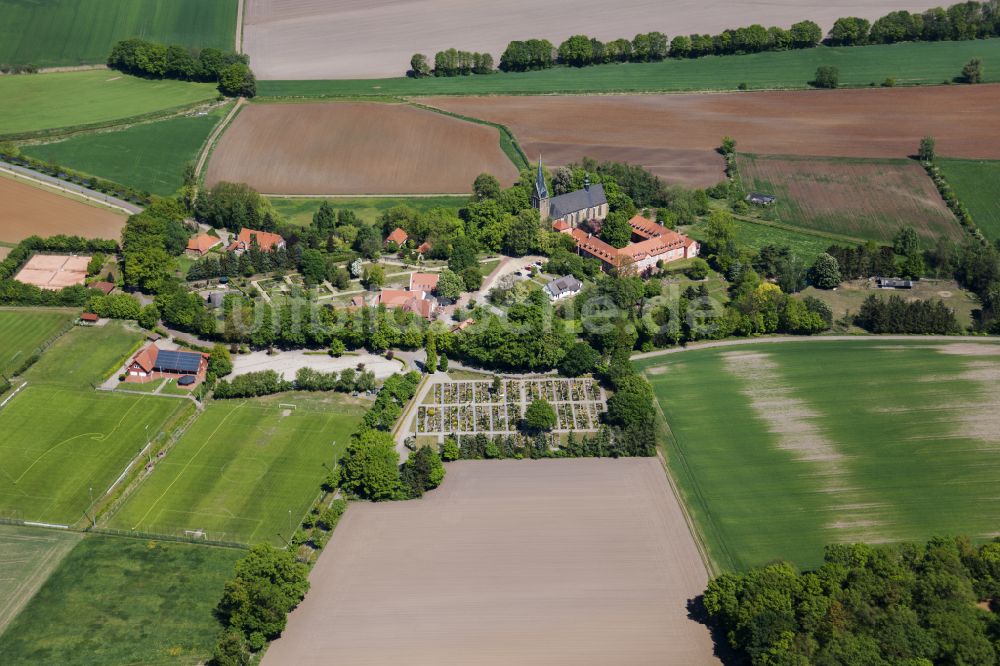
951	199
269	382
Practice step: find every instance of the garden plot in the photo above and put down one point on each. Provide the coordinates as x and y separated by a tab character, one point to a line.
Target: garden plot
472	407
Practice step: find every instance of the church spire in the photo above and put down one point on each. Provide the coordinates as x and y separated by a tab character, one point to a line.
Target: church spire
541	192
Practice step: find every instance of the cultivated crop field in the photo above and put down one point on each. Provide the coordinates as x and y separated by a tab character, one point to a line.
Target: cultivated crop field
79	32
39	103
977	184
29	210
805	246
300	39
587	559
27	557
149	157
653	130
123	601
866	199
775	458
23	330
356	148
242	467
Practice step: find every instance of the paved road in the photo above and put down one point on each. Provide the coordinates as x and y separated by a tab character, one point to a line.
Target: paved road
815	338
93	195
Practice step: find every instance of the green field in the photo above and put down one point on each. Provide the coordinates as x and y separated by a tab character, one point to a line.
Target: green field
123	601
85	356
28	555
23	330
863	199
300	211
242	467
779	449
94	98
148	157
81	32
750	234
913	63
977	184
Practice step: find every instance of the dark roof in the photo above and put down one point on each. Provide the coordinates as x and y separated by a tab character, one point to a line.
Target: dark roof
177	361
186	380
572	202
563	285
758	196
541	192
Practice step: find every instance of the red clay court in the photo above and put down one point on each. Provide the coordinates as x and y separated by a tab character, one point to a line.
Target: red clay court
54	271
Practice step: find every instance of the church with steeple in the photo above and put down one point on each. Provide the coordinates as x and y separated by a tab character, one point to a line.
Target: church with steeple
568	211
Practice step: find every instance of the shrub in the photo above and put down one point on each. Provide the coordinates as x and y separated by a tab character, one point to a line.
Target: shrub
826	77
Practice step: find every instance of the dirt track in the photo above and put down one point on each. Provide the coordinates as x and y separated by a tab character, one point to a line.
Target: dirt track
676	135
356	148
552	562
343	39
29	210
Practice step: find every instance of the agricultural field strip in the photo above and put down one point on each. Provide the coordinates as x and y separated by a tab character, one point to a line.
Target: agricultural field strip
469	406
27	558
977	185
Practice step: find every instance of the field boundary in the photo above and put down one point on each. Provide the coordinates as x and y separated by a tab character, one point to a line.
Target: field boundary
508	142
63	190
209	146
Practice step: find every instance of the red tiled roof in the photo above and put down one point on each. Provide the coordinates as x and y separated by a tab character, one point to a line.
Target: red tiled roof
424	248
266	241
424	281
202	243
103	287
89	316
146	359
398	236
560	225
406	300
653	246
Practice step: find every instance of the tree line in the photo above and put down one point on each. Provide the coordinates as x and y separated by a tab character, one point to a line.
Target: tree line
451	62
269	382
140	57
909	604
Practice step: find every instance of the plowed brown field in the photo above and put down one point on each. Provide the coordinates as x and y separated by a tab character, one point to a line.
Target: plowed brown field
584	562
356	148
29	211
675	136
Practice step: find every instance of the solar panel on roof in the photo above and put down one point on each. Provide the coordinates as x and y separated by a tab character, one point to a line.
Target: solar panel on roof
175	361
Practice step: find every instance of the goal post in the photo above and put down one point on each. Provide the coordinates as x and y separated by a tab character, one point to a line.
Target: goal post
285	405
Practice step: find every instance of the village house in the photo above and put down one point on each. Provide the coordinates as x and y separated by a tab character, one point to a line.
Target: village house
155	363
198	246
265	240
425	282
564	287
417	302
398	236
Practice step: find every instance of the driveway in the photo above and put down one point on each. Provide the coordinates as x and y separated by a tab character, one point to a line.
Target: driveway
287	363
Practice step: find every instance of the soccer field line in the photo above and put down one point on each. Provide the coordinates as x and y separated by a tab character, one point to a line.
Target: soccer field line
181	473
95	436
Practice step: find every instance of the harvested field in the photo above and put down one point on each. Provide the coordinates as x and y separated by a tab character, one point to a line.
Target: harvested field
675	136
356	148
869	199
775	459
510	562
342	39
54	271
30	210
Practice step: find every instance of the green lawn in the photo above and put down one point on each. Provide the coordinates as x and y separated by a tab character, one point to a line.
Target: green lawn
239	470
148	157
28	555
86	356
780	449
78	32
300	211
805	246
856	198
124	601
23	330
94	98
915	63
977	184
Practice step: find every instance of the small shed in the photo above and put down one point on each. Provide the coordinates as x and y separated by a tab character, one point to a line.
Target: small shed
893	283
760	199
89	318
187	380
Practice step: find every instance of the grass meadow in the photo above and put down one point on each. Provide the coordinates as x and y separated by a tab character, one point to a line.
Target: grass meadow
977	184
86	356
123	601
910	64
780	449
245	470
856	198
82	32
23	330
28	556
41	103
805	245
149	157
301	210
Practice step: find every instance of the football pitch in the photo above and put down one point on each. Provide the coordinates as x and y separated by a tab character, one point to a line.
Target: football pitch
27	557
123	601
245	471
22	331
780	449
86	356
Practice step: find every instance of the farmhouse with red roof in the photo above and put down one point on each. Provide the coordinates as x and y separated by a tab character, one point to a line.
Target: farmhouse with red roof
265	240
